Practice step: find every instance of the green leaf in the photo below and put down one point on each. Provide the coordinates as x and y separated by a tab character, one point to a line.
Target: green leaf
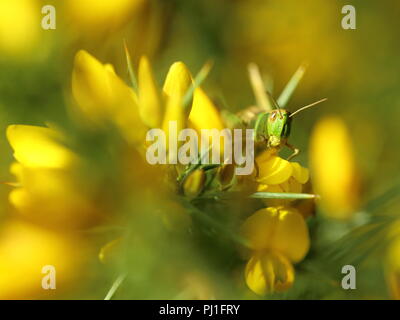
291	86
130	68
283	195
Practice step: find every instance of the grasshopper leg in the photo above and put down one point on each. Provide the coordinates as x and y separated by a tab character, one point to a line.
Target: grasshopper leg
295	150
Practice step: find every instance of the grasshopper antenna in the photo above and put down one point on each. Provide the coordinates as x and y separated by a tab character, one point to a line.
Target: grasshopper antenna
308	106
276	105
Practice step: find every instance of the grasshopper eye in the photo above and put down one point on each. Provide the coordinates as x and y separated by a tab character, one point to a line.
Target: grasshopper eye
273	116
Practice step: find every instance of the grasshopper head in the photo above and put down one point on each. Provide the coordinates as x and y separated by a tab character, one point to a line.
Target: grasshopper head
278	127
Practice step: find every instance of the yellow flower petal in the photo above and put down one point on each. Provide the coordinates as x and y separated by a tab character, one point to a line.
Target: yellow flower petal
174	115
282	229
264	188
273	171
19	26
94	15
17	170
91	86
334	168
25	249
269	272
53	197
176	85
124	111
259	229
38	147
204	114
178	80
149	96
291	234
103	97
299	173
267	155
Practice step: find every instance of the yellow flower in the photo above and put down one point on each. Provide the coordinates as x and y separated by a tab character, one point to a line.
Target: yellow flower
277	237
268	272
102	96
204	114
94	15
177	83
150	104
37	147
25	249
334	168
47	189
197	286
201	113
20	26
279	175
194	183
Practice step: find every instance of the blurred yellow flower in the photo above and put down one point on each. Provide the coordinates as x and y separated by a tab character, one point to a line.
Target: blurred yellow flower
277	237
47	188
94	15
25	249
177	83
150	104
20	25
333	168
38	147
197	286
102	96
204	114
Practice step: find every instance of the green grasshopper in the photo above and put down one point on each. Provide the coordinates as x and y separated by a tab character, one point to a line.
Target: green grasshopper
271	123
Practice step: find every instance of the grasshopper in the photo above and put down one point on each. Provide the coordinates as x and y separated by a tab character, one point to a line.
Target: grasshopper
272	123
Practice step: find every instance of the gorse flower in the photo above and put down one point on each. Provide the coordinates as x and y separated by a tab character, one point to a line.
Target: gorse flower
279	175
333	168
93	15
277	237
25	249
47	188
50	191
103	97
19	26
